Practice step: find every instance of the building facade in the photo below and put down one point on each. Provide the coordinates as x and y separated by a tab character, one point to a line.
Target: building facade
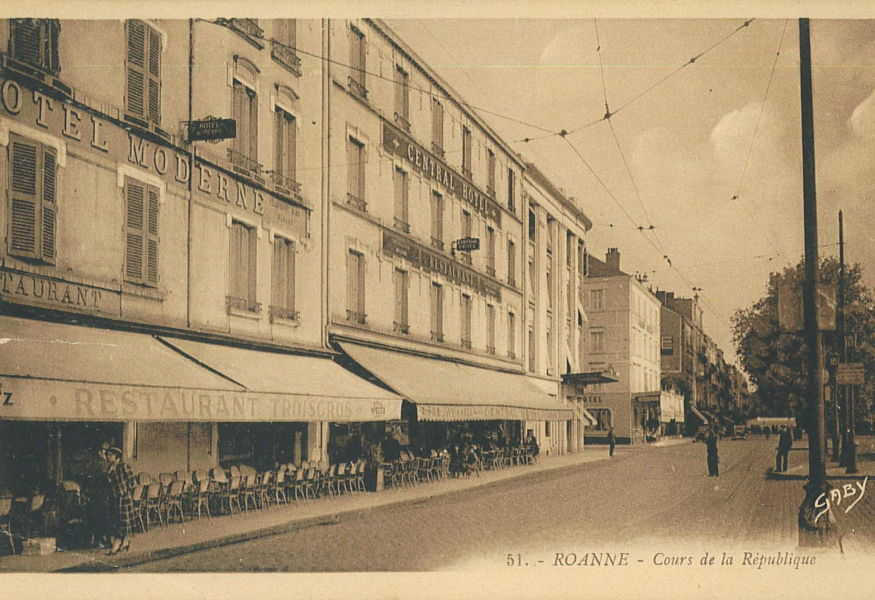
624	333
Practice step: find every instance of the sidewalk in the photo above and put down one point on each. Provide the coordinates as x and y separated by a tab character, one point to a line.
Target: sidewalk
865	463
199	535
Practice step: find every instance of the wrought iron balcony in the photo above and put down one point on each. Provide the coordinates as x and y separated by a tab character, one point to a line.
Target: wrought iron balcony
466	171
403	328
235	304
490	349
249	29
285	182
356	203
511	354
238	159
466	344
286	57
356	317
437	244
357	88
511	280
465	258
437	336
490	271
438	149
402	122
284	314
402	225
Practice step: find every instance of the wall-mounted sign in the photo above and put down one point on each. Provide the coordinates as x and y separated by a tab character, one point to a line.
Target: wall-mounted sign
38	290
432	168
467	244
212	129
851	374
432	262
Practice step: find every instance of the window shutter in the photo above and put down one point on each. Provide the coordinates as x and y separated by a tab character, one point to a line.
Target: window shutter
240	115
26	41
253	125
50	174
235	260
291	149
152	237
290	276
54	32
154	76
136	69
23	223
134	233
399	292
276	273
252	252
279	154
353	282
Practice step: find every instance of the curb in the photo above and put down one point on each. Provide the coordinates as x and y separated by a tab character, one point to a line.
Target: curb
803	476
322	520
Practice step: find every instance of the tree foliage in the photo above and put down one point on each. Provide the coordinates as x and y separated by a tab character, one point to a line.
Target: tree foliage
776	361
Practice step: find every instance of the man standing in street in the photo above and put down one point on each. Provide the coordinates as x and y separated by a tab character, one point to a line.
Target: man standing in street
612	440
785	442
713	460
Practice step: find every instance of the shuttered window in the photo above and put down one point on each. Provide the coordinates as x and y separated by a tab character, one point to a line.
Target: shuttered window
511	263
491	181
511	191
33	176
401	200
437	220
35	42
401	301
141	232
490	328
511	335
437	127
437	312
466	321
283	280
286	146
466	151
143	72
355	169
355	287
245	112
243	266
402	98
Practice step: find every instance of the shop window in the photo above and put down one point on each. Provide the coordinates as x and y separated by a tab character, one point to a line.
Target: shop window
402	286
243	268
141	232
437	127
283	280
603	419
402	99
355	168
35	42
548	428
244	110
355	308
437	312
285	167
143	64
358	51
33	176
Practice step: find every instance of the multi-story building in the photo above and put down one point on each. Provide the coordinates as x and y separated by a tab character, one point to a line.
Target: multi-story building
157	294
624	333
412	171
555	251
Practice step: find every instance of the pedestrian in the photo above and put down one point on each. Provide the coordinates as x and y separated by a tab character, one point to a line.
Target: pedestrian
121	515
768	432
98	490
713	460
612	441
785	442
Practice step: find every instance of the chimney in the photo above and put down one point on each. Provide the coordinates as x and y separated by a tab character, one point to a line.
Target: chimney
612	259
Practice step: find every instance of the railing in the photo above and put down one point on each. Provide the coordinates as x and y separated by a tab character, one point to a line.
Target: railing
249	29
285	314
239	159
437	244
466	258
286	182
466	171
437	336
511	354
402	122
356	317
356	203
357	88
438	149
286	57
490	190
401	328
511	280
490	271
466	344
402	225
490	349
233	303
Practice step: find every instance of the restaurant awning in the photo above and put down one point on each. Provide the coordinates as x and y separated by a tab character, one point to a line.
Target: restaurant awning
448	391
588	378
296	388
696	412
52	372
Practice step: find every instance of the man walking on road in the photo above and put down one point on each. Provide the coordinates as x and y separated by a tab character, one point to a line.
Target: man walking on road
612	440
713	461
785	442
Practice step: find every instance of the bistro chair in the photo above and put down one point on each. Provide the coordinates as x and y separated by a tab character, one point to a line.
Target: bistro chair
183	476
299	485
152	504
278	486
249	491
235	470
339	477
328	481
33	512
263	489
166	479
6	520
290	481
137	500
144	478
230	494
199	499
310	482
173	501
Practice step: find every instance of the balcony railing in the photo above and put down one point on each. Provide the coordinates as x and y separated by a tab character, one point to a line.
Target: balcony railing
249	29
402	122
438	149
490	190
286	57
511	280
490	271
490	349
357	88
437	244
356	203
511	354
465	258
402	225
235	304
284	314
466	171
356	317
437	336
403	328
238	159
466	344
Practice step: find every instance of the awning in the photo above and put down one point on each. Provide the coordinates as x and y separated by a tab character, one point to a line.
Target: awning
50	372
671	407
584	414
448	391
648	397
296	388
588	378
696	412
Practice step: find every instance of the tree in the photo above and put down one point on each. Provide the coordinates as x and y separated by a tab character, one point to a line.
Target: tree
776	360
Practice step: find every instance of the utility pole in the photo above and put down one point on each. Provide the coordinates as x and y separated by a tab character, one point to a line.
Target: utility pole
812	532
841	390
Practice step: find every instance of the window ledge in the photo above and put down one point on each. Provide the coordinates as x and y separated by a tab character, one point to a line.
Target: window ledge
282	316
143	291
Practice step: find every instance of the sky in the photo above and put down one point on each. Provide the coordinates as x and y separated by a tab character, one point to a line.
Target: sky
710	157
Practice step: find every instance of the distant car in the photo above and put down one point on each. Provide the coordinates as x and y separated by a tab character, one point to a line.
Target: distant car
739	432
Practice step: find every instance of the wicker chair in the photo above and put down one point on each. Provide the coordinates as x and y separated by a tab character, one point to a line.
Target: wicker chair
6	520
152	504
173	501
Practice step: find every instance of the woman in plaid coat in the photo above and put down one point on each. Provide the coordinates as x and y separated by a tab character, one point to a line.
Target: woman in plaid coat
121	515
